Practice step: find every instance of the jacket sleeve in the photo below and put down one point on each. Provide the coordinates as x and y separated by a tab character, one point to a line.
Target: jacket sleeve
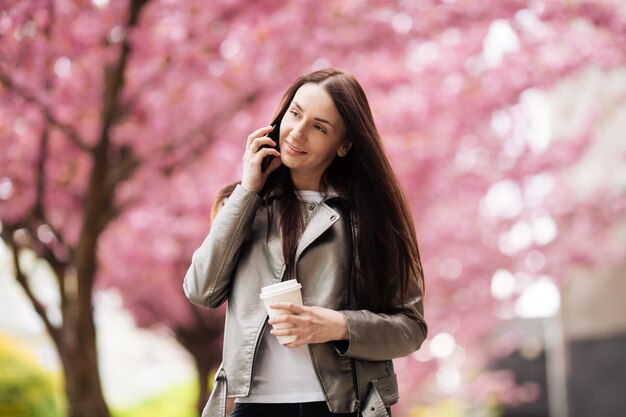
208	278
376	337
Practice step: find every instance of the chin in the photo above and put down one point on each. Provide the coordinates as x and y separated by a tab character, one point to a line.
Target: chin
286	162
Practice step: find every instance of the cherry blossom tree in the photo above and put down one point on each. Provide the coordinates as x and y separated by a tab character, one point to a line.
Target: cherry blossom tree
120	121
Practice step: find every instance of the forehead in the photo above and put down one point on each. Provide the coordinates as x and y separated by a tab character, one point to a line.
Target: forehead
315	99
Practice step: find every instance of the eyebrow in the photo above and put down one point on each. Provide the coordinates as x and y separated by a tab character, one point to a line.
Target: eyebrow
319	119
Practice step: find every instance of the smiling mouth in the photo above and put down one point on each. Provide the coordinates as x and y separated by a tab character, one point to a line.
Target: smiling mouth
294	148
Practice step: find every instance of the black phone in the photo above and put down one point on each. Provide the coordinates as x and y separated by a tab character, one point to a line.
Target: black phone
274	133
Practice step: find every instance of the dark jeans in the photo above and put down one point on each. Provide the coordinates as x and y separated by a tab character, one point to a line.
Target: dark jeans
315	409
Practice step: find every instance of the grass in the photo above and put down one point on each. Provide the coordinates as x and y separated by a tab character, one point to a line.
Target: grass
178	401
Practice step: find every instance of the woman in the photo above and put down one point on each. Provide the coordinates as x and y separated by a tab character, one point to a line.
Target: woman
327	211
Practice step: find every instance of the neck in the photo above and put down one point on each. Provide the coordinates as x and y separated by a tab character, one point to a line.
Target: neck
301	182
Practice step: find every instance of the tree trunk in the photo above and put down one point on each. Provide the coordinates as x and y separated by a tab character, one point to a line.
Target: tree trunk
80	365
75	338
203	365
203	340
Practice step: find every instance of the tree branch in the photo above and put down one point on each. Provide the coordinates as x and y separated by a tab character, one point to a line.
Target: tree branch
195	150
39	215
39	211
26	95
20	277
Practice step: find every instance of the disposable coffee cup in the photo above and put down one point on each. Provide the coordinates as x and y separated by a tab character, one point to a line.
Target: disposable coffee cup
288	291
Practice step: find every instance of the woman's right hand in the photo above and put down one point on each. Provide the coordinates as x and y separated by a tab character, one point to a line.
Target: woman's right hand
253	179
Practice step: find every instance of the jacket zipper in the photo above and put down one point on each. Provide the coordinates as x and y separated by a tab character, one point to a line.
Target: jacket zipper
352	305
355	380
258	340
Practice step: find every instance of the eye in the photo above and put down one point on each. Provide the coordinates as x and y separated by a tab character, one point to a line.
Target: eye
293	112
320	128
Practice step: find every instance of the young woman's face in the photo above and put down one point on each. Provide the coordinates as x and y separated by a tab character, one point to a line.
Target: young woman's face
312	134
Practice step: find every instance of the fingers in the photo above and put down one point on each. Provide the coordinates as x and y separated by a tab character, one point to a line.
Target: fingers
298	321
276	162
296	314
310	324
291	307
253	145
259	148
257	134
301	339
259	142
256	146
292	317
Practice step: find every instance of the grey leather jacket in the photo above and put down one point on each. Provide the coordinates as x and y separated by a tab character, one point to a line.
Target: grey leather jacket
235	261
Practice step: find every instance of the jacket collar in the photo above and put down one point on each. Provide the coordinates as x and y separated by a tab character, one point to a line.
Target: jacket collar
331	193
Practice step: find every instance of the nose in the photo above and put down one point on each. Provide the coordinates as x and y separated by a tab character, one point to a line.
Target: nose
297	132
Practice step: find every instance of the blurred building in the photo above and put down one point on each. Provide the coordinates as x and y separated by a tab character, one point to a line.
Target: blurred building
580	364
594	300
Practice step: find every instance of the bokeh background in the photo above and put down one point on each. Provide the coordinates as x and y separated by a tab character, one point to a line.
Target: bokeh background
504	119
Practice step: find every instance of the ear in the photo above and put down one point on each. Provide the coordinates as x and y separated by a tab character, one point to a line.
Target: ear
344	149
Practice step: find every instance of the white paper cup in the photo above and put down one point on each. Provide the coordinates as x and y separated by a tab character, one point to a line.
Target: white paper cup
288	291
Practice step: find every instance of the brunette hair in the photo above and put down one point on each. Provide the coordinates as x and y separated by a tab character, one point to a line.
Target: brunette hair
385	250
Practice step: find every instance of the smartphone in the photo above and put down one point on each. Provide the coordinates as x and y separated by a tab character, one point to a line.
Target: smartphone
274	133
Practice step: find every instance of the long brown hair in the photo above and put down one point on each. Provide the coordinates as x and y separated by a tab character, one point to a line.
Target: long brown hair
386	246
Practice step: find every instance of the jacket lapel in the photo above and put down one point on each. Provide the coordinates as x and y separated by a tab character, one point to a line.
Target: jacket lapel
321	220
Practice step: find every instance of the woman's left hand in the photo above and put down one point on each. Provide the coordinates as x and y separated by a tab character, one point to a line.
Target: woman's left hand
310	324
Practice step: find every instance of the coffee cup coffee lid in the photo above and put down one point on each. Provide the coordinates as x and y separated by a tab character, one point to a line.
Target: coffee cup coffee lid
281	287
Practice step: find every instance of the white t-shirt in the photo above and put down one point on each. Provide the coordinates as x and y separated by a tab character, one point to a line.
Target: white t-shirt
280	374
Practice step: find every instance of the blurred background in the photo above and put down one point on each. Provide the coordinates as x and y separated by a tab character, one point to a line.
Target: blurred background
504	120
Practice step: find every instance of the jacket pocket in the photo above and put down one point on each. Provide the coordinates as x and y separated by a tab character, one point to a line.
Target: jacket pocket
383	392
387	388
